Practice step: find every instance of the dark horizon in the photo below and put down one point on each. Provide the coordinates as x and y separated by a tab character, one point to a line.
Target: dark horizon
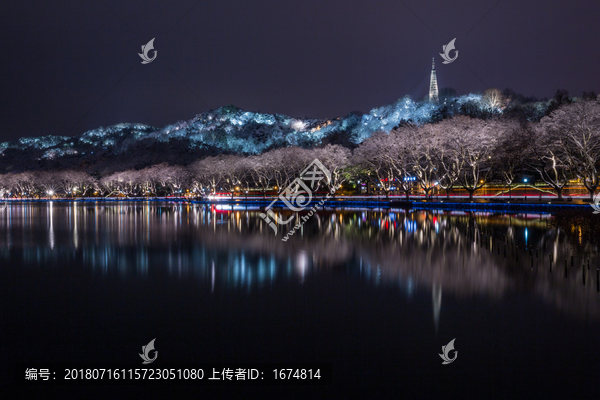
75	67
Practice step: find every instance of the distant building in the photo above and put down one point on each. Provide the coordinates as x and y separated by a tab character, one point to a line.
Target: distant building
433	86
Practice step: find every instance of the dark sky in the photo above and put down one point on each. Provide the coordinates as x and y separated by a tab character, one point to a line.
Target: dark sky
70	65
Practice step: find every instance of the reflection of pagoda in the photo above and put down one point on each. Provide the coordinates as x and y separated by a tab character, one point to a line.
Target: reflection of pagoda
433	86
436	298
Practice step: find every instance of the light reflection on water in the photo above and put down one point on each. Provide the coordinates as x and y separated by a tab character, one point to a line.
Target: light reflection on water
225	247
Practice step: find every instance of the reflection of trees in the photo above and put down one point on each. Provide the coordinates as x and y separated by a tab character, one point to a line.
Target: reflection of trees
440	252
458	254
583	226
450	252
436	250
432	253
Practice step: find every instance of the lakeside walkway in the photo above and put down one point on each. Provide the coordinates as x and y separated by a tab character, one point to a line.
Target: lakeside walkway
492	203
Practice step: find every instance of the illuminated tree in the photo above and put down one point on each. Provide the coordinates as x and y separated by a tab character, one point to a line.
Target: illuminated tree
337	160
45	182
260	173
549	159
514	147
577	127
23	184
208	173
123	183
375	155
173	178
469	145
234	171
493	100
425	147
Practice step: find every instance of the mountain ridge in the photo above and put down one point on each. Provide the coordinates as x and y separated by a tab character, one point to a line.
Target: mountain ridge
226	130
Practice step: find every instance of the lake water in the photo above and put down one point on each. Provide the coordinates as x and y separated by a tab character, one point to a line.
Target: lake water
376	293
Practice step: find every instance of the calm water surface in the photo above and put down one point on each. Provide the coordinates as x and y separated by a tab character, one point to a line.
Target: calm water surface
374	292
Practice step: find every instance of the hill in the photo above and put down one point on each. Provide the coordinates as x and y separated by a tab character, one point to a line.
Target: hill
228	130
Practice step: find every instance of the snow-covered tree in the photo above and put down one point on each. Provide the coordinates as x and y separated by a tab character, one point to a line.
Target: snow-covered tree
578	124
470	143
336	159
514	147
23	184
172	178
286	164
378	158
208	172
549	159
423	145
123	183
261	173
493	100
235	170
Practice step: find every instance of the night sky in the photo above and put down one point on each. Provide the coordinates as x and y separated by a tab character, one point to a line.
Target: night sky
70	66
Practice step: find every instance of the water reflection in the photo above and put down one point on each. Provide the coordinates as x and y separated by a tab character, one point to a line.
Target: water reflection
456	253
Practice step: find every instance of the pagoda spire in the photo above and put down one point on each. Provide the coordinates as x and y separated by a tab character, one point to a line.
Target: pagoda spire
433	86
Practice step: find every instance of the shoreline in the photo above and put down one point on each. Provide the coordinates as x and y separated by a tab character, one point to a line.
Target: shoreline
477	204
